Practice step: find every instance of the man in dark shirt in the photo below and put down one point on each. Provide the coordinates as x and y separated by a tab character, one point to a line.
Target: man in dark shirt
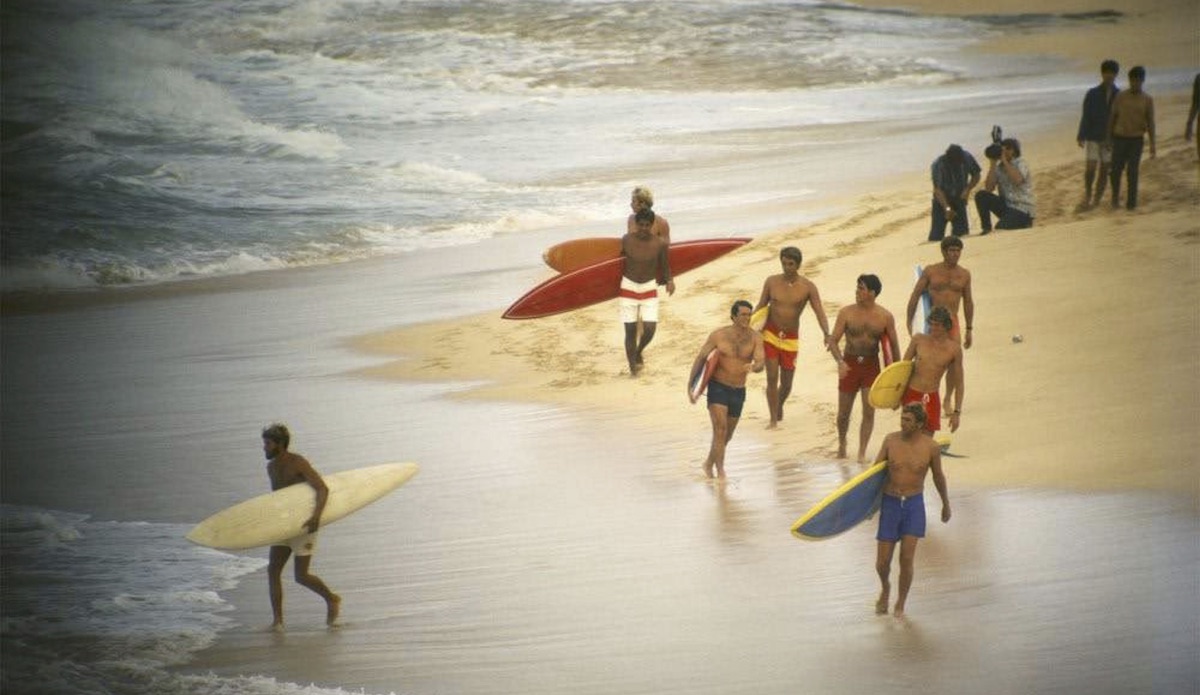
1093	133
954	175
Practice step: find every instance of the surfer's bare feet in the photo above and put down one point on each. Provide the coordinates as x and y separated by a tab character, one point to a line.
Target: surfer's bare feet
772	425
881	606
277	626
898	612
333	609
841	450
708	469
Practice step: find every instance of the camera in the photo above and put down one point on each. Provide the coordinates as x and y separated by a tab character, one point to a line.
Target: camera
993	150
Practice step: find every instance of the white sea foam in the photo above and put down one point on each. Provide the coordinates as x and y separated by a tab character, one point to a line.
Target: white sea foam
168	141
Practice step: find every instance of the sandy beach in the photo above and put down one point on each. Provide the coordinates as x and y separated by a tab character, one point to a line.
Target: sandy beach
1103	300
561	535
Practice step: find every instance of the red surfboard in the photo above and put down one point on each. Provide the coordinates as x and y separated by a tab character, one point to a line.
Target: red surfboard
600	282
703	374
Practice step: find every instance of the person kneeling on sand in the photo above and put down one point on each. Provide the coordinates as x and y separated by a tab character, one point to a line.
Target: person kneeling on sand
910	454
285	468
741	352
1015	206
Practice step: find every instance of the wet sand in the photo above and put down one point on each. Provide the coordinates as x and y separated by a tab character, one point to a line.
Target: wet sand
572	541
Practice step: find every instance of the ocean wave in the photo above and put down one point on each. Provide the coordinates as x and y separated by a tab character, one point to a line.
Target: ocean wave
103	606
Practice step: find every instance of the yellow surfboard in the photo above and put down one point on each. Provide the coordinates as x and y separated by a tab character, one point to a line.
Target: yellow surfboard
889	386
759	318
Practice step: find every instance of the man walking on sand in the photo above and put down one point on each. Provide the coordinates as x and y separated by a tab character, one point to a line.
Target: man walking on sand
910	454
741	352
935	355
643	199
646	261
1132	118
786	295
285	468
949	285
866	326
1093	133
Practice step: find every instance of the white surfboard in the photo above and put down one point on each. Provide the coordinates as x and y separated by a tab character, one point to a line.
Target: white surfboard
280	515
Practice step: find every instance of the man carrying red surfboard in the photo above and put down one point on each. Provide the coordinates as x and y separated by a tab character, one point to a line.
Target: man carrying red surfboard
645	262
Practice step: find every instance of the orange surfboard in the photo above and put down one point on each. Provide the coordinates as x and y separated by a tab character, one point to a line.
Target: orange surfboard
580	253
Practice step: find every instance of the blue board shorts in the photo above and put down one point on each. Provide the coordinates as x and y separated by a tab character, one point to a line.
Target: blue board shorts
728	396
901	516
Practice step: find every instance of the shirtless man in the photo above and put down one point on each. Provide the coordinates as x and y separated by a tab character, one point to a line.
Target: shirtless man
934	355
949	284
786	294
865	325
284	469
910	454
646	261
643	199
741	350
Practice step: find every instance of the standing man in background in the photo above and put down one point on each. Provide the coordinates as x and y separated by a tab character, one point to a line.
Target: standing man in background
955	174
643	199
1194	115
1093	133
1132	118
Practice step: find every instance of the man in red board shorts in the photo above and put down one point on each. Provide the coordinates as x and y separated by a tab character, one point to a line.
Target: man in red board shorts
786	294
934	355
865	325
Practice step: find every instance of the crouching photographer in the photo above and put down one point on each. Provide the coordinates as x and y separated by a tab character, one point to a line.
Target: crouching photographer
1015	206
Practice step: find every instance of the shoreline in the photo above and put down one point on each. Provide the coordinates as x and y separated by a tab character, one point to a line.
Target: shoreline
575	360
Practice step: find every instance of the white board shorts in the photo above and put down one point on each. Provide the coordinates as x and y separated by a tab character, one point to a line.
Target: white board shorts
302	545
638	298
1097	152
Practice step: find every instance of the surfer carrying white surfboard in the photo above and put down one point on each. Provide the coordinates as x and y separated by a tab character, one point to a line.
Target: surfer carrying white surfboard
740	350
866	326
910	454
285	468
948	285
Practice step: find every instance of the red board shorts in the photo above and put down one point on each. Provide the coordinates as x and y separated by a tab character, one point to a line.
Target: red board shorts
863	370
781	346
933	407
